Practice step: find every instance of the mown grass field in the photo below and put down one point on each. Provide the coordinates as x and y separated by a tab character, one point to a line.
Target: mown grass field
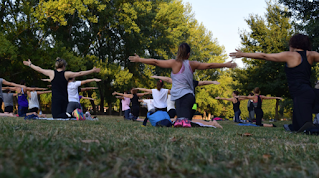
112	147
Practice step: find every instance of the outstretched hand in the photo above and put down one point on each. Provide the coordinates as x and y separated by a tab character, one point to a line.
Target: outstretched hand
237	54
231	64
46	80
114	93
96	70
216	83
280	98
97	80
217	97
27	63
134	58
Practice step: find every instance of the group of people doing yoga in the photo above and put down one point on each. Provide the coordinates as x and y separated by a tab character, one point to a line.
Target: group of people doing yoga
298	59
65	91
254	106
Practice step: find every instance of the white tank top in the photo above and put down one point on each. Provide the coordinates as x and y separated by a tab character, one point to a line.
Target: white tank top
33	101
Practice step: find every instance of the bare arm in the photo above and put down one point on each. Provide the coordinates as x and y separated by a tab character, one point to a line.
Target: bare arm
145	90
155	62
88	88
124	95
69	74
88	98
245	97
119	97
165	79
227	99
43	92
11	84
143	94
34	88
203	66
90	80
200	83
9	88
46	80
269	98
49	73
275	57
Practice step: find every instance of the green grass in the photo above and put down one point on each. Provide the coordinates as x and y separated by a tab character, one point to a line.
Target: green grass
124	149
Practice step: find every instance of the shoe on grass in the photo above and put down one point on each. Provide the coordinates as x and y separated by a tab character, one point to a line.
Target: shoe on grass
178	122
186	123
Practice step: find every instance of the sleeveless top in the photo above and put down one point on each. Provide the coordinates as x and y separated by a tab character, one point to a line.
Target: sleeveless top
7	99
299	77
59	86
182	82
236	105
33	101
22	99
134	101
258	104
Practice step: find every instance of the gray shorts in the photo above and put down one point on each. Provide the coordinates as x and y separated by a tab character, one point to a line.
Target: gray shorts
72	106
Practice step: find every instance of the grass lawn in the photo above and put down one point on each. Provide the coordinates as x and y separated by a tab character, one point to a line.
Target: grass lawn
112	147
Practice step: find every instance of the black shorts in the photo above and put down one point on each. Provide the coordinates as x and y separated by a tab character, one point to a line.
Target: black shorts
8	109
33	110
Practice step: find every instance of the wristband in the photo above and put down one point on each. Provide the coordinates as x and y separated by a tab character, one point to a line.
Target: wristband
30	65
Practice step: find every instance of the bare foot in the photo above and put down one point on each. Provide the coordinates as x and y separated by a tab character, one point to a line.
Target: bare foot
215	123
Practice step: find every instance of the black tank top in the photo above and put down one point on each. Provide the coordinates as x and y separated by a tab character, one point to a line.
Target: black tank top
59	86
299	77
236	105
134	101
258	103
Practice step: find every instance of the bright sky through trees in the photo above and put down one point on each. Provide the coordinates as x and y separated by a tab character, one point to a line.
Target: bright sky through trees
225	18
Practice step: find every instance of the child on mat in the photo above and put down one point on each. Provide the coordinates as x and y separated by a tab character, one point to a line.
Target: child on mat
182	91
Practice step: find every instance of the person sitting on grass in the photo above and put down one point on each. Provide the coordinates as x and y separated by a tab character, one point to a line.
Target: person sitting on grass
34	105
59	80
125	105
135	109
182	91
257	101
8	101
74	106
236	103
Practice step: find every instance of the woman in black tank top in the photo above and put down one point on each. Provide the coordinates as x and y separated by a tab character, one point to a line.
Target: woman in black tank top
59	80
257	101
236	103
135	108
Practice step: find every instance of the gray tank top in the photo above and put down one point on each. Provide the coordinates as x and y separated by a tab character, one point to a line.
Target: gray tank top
1	87
7	99
182	82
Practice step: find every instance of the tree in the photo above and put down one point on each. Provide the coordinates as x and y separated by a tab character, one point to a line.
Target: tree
267	35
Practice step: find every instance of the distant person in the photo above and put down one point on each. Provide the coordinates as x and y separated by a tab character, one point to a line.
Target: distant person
299	60
250	107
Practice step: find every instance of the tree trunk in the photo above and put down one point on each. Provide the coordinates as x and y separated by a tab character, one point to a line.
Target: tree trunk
110	108
276	110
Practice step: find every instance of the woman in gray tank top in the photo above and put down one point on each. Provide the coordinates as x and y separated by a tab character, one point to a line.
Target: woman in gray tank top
182	91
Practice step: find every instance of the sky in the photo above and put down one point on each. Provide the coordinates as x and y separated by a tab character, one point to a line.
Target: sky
226	18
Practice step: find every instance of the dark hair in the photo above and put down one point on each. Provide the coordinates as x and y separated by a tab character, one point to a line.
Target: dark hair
159	85
257	90
300	41
251	94
6	91
22	82
236	93
59	63
79	89
134	91
183	51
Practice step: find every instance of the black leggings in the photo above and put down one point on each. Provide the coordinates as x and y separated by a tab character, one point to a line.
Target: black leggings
58	108
184	106
259	116
302	109
1	104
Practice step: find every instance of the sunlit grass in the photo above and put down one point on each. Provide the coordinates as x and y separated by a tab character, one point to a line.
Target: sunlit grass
112	147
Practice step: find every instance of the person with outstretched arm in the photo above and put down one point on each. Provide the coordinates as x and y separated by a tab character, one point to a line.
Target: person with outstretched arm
299	60
182	91
59	80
